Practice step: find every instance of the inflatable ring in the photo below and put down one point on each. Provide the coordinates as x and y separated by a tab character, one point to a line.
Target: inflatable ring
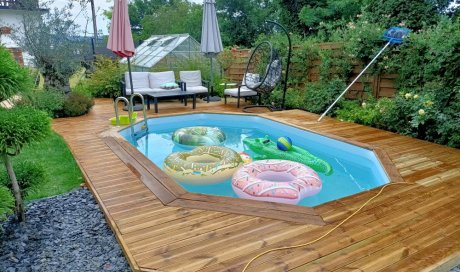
203	165
279	181
198	136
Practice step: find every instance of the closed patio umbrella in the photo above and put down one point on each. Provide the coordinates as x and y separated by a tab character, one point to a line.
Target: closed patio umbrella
211	44
120	37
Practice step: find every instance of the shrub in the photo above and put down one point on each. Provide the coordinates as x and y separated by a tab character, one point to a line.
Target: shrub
13	77
365	113
28	174
20	126
105	80
77	104
83	88
318	96
49	100
6	203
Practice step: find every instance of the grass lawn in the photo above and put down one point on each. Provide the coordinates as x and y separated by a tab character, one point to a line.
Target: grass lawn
63	172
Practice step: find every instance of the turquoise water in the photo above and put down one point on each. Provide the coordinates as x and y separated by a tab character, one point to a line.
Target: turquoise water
355	169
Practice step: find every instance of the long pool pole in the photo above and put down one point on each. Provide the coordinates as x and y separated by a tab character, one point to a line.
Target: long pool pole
353	82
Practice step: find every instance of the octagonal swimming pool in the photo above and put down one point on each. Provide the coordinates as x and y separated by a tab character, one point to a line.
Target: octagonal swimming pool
355	169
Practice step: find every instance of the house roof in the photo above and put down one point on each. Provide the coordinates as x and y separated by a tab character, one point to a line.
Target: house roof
155	48
20	5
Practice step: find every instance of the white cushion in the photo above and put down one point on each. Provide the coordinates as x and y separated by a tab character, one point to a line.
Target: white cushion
140	80
196	89
243	92
138	90
156	90
191	78
157	79
253	77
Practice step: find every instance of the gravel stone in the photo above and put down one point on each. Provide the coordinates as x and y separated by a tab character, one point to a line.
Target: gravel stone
62	233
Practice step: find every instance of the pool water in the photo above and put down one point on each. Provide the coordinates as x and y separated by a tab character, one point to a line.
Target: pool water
355	169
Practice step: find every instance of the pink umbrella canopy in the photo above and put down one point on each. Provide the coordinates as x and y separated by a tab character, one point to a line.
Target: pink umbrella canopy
120	38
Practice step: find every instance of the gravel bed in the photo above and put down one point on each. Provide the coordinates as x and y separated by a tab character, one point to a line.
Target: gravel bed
62	233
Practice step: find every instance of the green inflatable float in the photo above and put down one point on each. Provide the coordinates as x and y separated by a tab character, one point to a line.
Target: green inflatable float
199	136
267	149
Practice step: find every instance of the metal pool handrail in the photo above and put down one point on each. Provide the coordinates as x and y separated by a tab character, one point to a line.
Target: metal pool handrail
144	128
115	104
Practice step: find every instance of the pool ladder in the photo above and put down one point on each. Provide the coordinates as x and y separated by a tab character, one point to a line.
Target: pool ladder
144	128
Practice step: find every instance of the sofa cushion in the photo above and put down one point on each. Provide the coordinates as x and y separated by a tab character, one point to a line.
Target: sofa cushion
196	89
140	80
138	90
157	90
191	78
156	79
243	92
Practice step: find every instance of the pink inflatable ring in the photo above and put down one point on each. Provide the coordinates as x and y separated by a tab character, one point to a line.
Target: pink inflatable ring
276	181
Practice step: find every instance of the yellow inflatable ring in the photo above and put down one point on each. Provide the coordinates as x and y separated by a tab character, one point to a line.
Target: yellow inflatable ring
203	165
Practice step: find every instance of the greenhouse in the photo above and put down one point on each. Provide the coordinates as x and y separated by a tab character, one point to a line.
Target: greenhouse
167	51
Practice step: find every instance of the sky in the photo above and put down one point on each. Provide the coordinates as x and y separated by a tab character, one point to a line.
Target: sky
83	16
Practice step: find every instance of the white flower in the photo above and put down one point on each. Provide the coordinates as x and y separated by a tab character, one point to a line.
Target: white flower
421	112
364	105
416	96
408	95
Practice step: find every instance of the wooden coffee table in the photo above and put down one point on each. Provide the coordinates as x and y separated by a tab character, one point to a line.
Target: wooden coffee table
169	94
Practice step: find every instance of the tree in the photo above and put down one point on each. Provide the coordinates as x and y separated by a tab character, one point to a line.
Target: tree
241	21
51	38
18	127
13	77
414	14
336	12
289	13
176	18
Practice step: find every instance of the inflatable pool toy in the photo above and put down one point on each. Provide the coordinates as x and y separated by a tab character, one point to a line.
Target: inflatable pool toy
267	149
245	157
284	143
124	119
276	181
198	136
203	165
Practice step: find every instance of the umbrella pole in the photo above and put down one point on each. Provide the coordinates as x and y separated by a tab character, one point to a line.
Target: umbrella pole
130	76
212	79
211	82
135	107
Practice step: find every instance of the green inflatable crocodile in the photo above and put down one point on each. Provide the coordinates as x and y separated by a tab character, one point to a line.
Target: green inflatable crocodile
267	149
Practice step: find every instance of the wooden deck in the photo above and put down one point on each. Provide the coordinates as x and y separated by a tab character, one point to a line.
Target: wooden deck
410	227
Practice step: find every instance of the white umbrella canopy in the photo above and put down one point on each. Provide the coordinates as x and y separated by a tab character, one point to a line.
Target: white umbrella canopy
211	43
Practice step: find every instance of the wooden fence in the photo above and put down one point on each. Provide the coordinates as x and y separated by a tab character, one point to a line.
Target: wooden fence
382	85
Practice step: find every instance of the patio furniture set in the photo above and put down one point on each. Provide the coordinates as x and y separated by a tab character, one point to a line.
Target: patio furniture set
155	86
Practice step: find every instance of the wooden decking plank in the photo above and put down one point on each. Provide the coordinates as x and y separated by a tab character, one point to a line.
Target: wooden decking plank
196	235
186	258
189	222
139	225
365	247
429	256
257	204
319	249
293	217
352	235
401	249
160	191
